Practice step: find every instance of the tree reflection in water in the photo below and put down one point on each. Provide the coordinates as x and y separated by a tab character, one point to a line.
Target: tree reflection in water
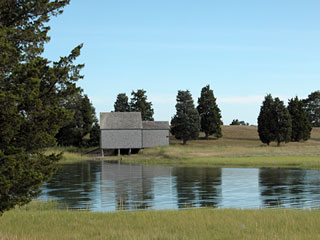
198	187
73	185
289	188
103	186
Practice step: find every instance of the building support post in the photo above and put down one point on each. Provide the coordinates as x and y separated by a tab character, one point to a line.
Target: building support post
119	152
102	153
129	151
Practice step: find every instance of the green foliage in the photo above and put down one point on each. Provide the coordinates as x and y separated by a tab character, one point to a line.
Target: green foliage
301	126
22	175
209	113
185	124
23	32
274	121
122	104
282	117
312	106
32	92
139	103
82	122
237	122
266	121
94	135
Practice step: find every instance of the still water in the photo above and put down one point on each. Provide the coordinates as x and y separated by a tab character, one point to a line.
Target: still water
102	186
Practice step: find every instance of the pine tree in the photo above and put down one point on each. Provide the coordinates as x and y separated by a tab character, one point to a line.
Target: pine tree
139	103
94	135
283	122
274	121
209	113
122	104
312	106
235	122
32	92
185	124
266	121
80	126
301	126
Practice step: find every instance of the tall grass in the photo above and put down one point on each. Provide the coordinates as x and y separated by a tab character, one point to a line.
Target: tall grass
183	224
70	154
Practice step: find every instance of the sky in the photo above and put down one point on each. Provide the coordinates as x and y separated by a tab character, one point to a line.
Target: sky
242	49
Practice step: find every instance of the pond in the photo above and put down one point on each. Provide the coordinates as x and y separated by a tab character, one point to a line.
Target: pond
103	186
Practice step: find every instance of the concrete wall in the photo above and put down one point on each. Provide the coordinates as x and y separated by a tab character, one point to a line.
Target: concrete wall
118	138
155	137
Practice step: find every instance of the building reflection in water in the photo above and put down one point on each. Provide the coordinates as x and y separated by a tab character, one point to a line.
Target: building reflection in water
103	186
131	187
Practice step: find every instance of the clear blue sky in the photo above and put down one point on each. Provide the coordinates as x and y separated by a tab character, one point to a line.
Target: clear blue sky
243	49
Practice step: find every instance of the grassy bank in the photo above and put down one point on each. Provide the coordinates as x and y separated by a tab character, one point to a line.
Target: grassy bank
298	161
71	154
45	222
239	147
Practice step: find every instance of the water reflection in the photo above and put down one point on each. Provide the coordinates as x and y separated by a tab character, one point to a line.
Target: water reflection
289	188
130	186
240	188
73	184
198	187
101	186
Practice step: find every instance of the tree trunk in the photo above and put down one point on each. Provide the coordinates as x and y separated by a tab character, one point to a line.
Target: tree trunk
207	135
278	144
184	141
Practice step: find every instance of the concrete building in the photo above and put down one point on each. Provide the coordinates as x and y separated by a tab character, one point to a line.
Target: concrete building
126	130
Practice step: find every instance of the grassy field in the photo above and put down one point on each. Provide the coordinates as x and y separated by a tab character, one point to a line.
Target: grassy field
40	221
239	147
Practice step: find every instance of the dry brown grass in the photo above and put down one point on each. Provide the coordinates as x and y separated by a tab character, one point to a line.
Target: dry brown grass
239	146
237	141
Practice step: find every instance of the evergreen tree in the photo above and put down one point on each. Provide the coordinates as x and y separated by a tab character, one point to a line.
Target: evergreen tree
139	103
274	121
185	124
312	106
94	140
283	122
301	126
235	122
266	121
32	91
82	122
209	113
122	104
